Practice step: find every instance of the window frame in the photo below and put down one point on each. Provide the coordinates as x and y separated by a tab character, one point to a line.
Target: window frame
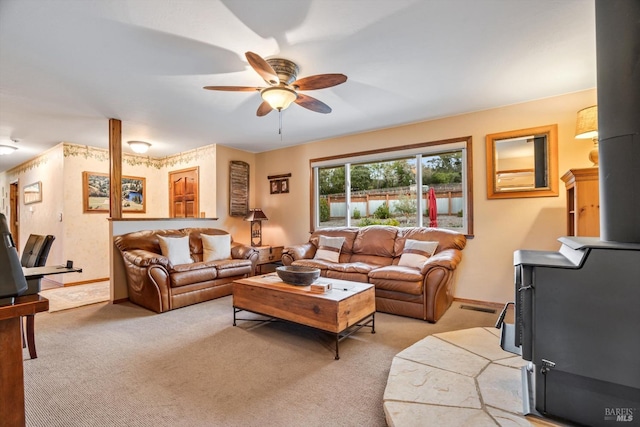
388	154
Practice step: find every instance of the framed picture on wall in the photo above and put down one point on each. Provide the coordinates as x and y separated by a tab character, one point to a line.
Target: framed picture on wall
238	188
32	193
284	185
96	189
275	186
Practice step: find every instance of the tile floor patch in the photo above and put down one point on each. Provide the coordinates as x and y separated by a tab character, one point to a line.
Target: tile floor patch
419	393
434	352
478	341
413	382
507	419
501	387
402	414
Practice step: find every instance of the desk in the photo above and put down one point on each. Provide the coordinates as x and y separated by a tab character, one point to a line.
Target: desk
11	372
35	274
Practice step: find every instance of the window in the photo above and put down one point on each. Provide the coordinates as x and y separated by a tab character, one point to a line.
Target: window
381	187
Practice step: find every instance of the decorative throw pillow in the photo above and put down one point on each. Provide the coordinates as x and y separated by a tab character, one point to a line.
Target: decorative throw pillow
416	252
215	248
176	249
329	248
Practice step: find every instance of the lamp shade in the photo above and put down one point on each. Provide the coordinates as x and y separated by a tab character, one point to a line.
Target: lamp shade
587	123
139	147
279	97
7	149
256	215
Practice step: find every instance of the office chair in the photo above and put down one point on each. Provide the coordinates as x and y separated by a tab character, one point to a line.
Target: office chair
35	254
36	250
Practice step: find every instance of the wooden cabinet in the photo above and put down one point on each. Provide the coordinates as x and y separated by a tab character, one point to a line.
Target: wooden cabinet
11	368
268	255
583	202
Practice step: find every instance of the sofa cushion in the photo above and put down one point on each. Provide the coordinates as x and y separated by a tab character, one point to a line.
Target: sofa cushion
185	274
415	253
446	239
195	241
329	248
352	277
349	234
144	239
397	278
313	263
216	247
233	267
176	249
376	260
396	272
352	267
376	240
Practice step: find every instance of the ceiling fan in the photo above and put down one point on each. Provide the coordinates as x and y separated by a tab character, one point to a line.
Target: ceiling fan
281	74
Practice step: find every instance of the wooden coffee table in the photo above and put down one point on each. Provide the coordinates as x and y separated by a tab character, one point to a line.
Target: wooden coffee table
345	309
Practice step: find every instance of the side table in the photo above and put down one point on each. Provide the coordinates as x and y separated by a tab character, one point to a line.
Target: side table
268	256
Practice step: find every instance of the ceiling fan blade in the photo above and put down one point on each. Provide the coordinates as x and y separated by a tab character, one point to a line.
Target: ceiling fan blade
319	81
264	109
312	104
263	68
233	88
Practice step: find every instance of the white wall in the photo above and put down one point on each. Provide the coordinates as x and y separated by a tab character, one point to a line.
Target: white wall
41	217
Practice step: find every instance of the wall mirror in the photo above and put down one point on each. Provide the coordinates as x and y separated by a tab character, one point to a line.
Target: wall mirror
523	163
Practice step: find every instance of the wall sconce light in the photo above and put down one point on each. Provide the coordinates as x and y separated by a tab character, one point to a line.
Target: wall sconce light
587	127
139	147
256	216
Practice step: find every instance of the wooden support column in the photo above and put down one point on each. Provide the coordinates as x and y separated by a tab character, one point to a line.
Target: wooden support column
115	168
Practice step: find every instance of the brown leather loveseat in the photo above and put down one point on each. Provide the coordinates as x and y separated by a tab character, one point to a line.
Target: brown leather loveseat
155	282
373	254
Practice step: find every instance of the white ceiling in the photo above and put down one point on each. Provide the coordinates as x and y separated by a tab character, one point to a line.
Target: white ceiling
67	66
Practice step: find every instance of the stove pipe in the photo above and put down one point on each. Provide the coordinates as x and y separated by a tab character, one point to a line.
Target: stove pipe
618	66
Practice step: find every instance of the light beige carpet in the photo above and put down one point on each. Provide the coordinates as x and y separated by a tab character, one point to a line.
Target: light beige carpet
122	365
76	296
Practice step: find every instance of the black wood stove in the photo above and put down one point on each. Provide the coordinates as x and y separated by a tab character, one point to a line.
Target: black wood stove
578	310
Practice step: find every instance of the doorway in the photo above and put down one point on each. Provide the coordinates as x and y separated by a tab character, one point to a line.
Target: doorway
14	218
183	193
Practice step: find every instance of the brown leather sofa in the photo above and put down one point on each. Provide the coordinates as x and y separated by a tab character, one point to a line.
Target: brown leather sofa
155	283
371	254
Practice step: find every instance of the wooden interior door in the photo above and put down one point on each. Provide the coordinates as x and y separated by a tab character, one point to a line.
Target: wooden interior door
14	218
183	193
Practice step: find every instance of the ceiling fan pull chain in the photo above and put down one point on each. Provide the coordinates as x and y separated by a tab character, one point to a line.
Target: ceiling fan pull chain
280	123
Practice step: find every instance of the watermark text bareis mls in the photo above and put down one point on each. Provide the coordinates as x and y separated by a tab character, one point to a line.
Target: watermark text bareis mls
619	414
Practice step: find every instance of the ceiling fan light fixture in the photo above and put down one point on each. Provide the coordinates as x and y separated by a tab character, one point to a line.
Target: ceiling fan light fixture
279	97
7	149
139	147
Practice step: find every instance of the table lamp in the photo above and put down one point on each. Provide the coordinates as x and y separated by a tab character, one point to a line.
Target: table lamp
587	128
256	216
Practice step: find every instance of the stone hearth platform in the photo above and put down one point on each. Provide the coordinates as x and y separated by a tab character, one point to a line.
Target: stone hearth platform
457	378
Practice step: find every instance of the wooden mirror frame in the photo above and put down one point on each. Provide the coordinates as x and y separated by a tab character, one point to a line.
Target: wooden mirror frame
550	190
